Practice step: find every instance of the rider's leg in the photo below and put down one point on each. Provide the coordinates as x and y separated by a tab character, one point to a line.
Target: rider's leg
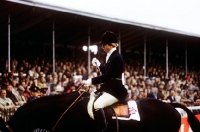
104	100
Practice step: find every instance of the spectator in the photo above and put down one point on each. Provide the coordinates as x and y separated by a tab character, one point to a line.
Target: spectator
43	91
171	97
3	75
141	95
26	67
148	86
5	103
34	84
35	93
35	75
15	86
60	75
20	96
11	95
178	96
133	97
4	83
53	84
154	91
41	75
42	83
190	94
49	80
31	71
160	95
38	70
189	102
197	102
71	88
10	77
133	91
196	94
21	76
58	90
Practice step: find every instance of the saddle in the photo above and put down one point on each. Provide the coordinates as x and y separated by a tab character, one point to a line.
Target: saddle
121	109
104	116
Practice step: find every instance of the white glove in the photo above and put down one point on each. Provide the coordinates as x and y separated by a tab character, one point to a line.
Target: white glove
87	82
95	62
92	94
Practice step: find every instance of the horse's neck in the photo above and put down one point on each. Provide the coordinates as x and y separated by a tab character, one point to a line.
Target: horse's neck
79	115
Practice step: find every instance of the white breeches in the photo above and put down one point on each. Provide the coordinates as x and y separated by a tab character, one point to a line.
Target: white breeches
104	100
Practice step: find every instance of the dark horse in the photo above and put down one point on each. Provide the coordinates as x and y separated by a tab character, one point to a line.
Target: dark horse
42	115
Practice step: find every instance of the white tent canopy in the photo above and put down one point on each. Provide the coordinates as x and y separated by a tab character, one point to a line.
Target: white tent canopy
178	16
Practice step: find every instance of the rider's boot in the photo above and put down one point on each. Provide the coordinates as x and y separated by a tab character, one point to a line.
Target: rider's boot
100	118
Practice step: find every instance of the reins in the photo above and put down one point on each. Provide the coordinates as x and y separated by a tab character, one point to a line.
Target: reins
75	101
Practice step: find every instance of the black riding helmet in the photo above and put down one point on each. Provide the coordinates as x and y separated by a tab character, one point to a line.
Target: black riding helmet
107	38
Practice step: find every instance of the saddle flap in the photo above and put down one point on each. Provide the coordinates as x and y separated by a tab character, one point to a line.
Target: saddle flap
121	110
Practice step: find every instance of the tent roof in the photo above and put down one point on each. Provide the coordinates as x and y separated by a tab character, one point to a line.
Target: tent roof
31	26
30	23
174	16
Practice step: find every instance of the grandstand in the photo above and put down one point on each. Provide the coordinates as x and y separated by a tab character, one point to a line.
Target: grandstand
30	33
31	29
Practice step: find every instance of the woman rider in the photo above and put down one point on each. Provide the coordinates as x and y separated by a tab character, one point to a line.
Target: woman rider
112	89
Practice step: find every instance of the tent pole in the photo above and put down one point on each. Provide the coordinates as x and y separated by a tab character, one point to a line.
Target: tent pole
119	41
167	59
89	50
53	35
186	66
145	50
8	42
149	54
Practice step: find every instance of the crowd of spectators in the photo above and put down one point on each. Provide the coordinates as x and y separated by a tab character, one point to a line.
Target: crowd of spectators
29	80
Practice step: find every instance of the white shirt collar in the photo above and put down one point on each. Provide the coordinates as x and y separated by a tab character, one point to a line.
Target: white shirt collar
112	50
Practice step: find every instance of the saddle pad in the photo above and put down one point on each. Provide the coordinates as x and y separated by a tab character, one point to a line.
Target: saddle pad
133	112
90	105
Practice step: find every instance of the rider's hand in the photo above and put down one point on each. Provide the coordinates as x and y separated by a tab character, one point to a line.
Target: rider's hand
87	82
95	62
92	94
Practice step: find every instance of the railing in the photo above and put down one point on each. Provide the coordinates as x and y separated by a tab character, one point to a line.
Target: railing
185	127
6	114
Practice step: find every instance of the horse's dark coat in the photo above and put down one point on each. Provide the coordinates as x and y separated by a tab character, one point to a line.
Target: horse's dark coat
43	113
